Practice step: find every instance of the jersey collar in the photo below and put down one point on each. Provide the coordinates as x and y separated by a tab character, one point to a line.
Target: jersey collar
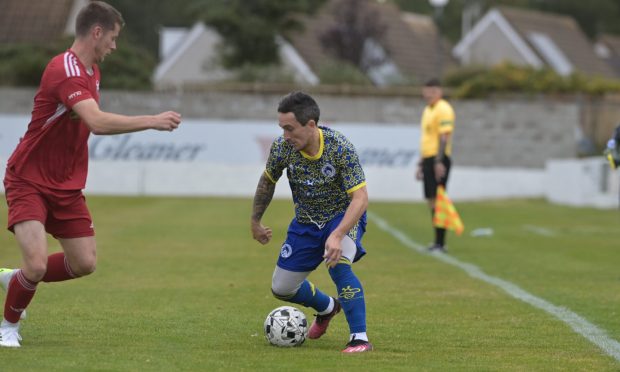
321	147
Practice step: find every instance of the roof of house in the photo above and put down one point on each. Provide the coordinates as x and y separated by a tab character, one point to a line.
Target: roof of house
410	40
608	48
542	38
35	20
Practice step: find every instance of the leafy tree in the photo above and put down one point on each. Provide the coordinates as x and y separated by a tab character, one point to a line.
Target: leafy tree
144	19
129	67
249	27
355	23
23	64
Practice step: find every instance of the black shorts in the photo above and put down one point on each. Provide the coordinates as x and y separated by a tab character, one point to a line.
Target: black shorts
430	183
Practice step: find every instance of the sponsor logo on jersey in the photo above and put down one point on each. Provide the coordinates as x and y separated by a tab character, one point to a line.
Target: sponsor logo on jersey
74	95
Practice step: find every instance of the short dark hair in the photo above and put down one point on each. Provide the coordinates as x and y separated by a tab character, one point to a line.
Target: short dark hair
97	13
433	82
302	105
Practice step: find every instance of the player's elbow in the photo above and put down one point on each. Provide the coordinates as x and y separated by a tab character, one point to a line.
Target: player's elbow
96	126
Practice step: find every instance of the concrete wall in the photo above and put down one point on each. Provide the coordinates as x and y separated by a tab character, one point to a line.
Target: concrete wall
503	148
519	133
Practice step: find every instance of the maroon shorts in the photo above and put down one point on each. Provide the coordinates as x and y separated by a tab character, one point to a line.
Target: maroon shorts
63	212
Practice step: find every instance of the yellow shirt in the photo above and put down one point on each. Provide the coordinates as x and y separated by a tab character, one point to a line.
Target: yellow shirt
436	120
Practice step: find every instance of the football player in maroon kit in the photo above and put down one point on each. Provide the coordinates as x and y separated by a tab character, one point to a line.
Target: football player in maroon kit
47	171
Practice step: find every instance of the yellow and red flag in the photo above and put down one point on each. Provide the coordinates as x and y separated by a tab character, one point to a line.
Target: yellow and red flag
446	215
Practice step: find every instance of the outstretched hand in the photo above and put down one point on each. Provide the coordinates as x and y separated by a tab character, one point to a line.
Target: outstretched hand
167	121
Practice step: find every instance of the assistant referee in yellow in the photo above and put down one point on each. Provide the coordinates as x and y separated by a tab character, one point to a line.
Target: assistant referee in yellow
436	149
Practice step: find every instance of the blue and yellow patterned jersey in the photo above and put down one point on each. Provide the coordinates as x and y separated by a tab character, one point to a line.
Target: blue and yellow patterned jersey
320	184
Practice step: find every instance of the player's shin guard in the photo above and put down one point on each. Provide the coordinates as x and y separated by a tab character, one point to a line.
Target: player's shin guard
308	295
350	294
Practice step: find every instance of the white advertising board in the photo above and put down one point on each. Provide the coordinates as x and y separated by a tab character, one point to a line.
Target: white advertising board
225	157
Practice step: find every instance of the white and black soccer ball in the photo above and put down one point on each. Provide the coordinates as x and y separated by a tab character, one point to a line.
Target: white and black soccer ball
286	326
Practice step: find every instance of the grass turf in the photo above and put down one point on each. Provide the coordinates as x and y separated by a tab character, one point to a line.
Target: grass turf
181	285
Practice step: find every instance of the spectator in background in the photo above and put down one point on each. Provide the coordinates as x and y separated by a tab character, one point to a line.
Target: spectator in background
47	171
436	150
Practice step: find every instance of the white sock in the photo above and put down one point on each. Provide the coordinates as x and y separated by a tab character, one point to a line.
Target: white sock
330	307
359	336
6	323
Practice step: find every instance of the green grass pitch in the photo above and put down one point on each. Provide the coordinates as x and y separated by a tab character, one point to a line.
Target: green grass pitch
180	285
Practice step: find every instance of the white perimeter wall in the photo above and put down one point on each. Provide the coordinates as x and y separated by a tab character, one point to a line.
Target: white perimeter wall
226	158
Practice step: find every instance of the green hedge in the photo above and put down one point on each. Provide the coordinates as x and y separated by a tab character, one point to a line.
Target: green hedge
129	67
477	82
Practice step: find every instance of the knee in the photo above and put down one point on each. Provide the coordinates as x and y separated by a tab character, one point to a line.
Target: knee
34	270
84	267
282	292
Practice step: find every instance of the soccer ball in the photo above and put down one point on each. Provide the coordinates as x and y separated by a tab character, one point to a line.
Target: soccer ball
286	326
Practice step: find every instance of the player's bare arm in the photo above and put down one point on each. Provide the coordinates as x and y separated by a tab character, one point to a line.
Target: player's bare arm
100	122
262	199
355	210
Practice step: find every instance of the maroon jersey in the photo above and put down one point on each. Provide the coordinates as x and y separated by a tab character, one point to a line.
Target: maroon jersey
54	150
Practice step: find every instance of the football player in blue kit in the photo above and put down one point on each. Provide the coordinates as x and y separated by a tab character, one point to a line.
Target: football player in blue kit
330	197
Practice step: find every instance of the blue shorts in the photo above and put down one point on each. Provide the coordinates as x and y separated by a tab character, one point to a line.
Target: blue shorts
304	247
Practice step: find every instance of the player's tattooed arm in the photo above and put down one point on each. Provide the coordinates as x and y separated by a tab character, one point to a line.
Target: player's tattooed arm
262	197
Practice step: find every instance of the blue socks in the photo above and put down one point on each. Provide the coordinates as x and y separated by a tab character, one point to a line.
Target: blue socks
309	296
351	295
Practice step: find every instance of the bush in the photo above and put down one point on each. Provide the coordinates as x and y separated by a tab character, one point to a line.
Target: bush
263	74
23	64
126	68
479	82
338	72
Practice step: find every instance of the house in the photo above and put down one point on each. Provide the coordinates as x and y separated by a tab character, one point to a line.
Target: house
607	47
192	57
530	38
36	21
410	46
188	56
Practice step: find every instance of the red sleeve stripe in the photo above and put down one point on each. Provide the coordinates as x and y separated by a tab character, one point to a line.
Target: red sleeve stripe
71	66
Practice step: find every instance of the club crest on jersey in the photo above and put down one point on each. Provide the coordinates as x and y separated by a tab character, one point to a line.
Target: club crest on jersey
286	251
328	170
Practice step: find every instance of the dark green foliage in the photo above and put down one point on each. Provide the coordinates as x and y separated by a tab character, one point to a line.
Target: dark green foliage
144	19
263	74
23	64
129	68
249	27
337	72
476	82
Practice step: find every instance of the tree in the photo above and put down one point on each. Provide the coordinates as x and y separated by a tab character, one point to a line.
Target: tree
144	20
355	25
249	28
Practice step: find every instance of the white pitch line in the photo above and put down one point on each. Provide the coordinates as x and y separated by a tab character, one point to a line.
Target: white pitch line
579	324
539	230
